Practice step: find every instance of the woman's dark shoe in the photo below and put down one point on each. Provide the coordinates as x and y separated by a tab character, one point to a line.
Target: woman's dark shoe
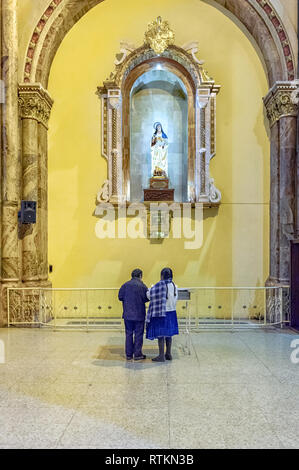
128	358
168	357
161	357
158	359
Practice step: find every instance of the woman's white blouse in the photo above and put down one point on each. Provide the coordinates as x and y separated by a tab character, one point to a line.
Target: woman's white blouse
172	299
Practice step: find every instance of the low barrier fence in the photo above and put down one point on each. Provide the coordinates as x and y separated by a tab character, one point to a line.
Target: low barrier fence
197	308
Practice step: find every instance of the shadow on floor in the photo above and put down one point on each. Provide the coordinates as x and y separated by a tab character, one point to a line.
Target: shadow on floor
110	355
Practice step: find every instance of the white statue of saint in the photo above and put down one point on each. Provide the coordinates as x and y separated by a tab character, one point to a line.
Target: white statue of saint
159	151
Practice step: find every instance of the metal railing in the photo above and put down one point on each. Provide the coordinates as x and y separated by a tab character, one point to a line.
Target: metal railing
238	307
99	308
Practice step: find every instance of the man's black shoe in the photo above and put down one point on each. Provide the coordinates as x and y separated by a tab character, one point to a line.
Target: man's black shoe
140	358
129	358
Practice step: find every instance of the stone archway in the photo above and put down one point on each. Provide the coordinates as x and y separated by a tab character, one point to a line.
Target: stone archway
24	255
258	17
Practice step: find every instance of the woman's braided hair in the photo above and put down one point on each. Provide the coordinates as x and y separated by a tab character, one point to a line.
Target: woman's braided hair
166	273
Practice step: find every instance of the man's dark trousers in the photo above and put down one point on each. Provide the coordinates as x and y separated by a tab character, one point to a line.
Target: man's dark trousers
134	337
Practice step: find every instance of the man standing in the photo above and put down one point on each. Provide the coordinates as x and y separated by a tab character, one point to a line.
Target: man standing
133	296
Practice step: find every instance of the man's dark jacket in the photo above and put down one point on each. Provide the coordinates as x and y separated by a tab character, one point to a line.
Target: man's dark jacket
133	296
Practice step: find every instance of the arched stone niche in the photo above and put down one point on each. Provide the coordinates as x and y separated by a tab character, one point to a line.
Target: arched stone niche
158	95
201	121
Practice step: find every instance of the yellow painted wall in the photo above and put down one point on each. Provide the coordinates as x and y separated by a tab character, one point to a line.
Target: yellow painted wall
236	246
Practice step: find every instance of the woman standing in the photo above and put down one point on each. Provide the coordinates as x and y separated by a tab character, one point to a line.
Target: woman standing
161	318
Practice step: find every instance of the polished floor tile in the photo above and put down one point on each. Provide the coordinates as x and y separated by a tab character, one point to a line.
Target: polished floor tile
76	390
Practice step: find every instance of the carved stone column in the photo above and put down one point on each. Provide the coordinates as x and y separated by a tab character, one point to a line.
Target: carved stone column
35	106
282	114
114	103
10	155
111	98
201	150
206	144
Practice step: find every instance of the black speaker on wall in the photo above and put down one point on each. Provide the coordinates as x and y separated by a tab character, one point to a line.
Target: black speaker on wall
27	214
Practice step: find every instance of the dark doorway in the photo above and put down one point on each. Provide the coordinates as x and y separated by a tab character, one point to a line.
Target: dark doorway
295	284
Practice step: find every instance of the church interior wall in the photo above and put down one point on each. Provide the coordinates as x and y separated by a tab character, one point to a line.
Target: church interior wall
235	244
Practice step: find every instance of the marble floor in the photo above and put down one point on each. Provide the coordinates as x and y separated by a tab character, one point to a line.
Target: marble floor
75	390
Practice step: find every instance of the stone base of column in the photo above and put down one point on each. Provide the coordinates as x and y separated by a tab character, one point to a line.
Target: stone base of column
22	305
117	199
274	282
3	302
38	284
277	302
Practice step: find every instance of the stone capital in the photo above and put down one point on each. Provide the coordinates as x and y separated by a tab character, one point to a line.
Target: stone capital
114	97
115	103
279	101
34	103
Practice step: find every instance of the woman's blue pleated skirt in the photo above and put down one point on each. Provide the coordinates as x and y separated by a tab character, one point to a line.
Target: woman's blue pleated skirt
163	326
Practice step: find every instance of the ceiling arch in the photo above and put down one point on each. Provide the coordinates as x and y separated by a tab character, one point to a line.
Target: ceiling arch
258	16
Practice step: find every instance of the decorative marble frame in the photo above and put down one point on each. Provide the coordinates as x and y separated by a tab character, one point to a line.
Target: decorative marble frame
115	123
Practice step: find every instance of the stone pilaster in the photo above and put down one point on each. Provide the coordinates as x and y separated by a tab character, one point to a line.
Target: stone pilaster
203	149
43	201
206	143
201	146
35	107
282	114
115	157
112	140
10	155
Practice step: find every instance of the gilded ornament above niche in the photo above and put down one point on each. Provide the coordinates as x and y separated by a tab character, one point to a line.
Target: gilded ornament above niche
161	56
159	35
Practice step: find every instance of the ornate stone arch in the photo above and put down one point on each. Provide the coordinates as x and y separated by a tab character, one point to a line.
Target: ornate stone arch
264	24
177	54
258	16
